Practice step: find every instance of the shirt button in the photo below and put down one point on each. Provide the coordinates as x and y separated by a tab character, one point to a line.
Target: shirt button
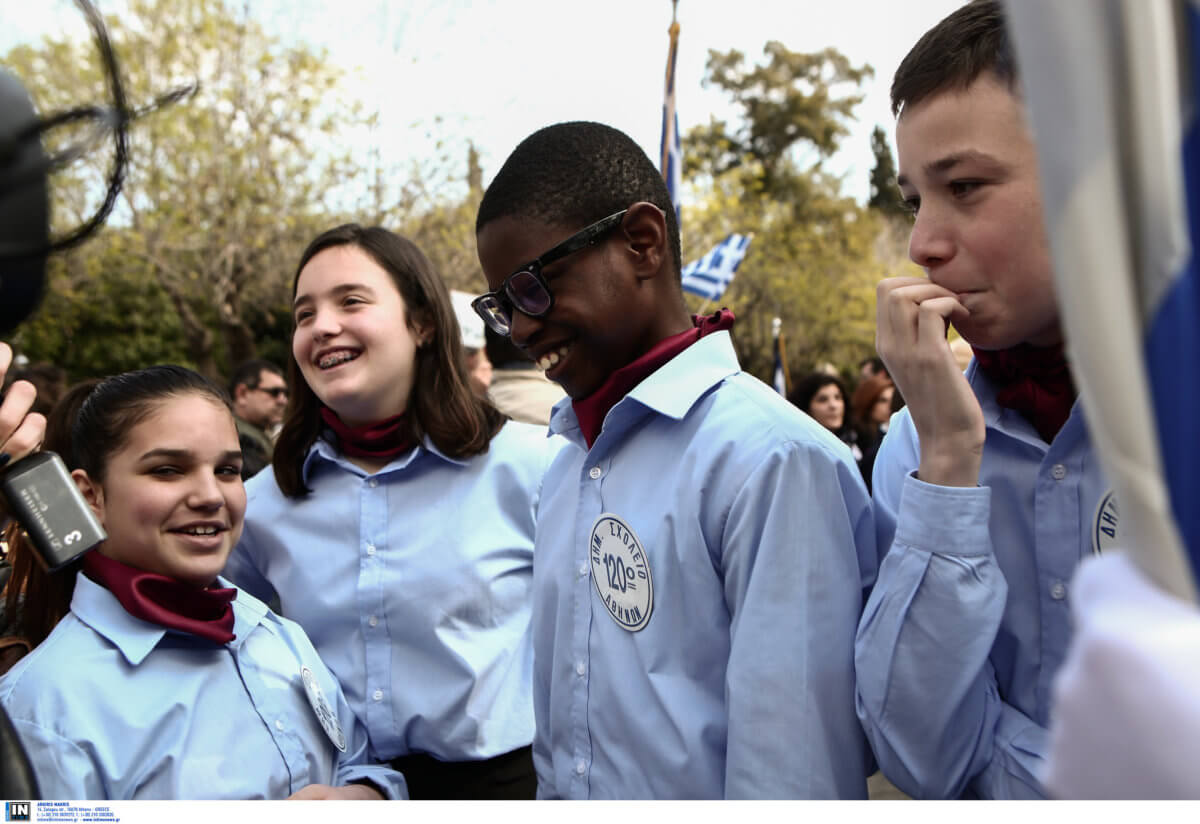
377	695
1058	472
373	621
279	725
595	472
372	483
580	767
1058	591
580	669
583	570
370	549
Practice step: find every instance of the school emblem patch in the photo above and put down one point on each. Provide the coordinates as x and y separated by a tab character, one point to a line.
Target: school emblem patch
1105	535
621	572
316	697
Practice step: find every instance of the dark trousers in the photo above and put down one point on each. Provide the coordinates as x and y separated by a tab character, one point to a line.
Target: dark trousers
505	777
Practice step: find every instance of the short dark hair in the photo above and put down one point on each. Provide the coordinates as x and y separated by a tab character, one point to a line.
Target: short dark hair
249	373
954	53
573	174
442	404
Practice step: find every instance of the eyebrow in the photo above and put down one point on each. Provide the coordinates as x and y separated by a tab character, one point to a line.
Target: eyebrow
335	291
944	164
186	455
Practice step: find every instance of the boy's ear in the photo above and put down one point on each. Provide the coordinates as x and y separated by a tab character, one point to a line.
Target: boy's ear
645	228
92	492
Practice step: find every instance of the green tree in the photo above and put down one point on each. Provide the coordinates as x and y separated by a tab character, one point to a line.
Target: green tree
223	191
812	261
885	194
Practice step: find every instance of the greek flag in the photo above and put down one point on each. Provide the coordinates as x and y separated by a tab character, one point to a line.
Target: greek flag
672	157
1111	89
709	276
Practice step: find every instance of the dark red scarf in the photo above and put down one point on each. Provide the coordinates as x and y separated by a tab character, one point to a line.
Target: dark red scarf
1033	380
591	410
380	441
165	601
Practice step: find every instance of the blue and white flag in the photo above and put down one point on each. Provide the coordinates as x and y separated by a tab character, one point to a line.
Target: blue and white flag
1119	155
709	276
669	151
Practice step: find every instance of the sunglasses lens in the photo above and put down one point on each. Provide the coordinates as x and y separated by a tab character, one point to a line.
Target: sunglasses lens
528	294
494	314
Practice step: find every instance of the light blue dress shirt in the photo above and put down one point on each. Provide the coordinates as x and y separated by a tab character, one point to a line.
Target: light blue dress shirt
969	619
746	518
414	585
112	707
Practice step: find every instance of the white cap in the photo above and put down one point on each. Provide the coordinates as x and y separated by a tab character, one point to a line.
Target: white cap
468	319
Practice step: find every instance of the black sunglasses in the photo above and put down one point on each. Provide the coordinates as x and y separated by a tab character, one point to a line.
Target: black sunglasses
527	288
275	392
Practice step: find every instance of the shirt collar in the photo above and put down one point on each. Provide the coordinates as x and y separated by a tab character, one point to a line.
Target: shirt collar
99	609
674	388
323	450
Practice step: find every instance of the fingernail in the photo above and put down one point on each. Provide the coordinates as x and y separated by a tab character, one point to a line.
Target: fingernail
4	458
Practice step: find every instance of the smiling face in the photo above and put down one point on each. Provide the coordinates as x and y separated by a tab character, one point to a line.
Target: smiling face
828	407
352	339
967	163
603	316
171	498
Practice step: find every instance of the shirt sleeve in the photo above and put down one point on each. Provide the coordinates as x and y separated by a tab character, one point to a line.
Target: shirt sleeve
355	764
926	691
242	572
792	585
63	769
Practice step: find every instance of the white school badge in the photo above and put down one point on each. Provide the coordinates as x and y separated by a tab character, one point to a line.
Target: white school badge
621	572
320	706
1105	535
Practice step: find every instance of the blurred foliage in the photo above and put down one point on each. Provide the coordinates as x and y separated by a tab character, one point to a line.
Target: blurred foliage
816	255
225	190
222	193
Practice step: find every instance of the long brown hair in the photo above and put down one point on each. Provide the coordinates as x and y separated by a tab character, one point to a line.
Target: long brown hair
442	404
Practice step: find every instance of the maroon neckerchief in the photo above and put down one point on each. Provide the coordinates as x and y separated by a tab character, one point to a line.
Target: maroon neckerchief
590	411
165	601
1034	381
383	440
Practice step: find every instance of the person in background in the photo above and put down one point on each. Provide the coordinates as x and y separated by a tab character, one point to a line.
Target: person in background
259	395
479	365
161	682
823	397
519	388
870	411
396	525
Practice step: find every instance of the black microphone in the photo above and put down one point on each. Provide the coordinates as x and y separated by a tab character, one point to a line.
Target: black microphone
24	206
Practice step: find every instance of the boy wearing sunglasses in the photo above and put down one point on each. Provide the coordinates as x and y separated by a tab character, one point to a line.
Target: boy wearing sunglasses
698	577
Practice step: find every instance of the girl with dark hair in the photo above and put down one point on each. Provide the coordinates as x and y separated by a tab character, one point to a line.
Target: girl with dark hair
161	681
823	397
398	525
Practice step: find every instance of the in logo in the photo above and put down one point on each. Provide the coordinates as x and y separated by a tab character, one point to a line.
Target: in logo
621	572
16	810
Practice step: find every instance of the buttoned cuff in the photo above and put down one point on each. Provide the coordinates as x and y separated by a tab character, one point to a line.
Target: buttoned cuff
946	520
